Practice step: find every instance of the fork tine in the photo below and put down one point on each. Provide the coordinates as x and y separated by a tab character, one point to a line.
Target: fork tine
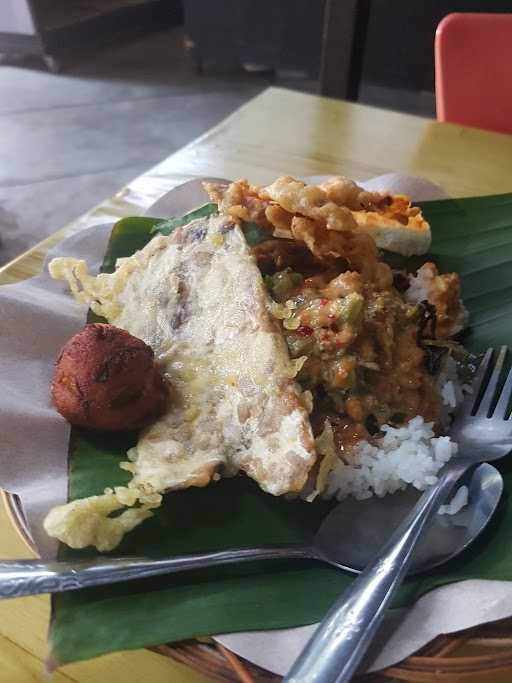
492	385
477	383
506	393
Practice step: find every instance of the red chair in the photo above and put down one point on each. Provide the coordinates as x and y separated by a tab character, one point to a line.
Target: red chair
473	54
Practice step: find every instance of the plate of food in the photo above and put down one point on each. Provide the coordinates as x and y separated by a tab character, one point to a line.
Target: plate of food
247	365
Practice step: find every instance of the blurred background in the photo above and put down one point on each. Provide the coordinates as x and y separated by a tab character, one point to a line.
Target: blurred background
95	92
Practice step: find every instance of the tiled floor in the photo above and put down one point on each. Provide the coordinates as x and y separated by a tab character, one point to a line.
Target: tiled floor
70	140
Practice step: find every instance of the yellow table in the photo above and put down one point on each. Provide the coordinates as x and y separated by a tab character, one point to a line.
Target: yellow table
278	132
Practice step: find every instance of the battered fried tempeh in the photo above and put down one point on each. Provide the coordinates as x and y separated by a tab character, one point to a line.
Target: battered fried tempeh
198	300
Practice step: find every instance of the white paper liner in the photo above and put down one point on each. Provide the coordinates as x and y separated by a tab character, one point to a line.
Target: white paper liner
38	315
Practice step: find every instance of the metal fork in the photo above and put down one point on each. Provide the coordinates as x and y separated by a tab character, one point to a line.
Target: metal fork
484	433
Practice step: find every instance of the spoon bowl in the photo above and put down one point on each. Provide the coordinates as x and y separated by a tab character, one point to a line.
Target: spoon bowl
354	530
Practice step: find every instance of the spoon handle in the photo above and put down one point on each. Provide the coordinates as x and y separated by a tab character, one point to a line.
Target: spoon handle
336	648
30	577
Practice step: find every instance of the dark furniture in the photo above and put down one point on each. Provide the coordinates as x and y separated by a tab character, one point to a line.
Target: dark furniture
345	29
386	42
60	27
268	35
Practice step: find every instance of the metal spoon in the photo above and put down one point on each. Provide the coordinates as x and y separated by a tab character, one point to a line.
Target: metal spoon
347	538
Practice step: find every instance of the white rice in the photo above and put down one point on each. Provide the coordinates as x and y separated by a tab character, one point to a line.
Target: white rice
452	392
448	394
459	500
409	455
447	380
419	286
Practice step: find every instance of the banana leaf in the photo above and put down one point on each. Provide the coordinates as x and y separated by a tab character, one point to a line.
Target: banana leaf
470	236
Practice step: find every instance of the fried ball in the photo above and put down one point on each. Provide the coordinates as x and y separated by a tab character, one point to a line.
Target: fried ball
105	379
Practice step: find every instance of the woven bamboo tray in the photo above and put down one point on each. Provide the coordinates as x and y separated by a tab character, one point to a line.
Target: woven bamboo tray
480	654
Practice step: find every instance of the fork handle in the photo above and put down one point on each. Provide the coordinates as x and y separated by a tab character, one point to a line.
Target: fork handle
336	648
30	577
